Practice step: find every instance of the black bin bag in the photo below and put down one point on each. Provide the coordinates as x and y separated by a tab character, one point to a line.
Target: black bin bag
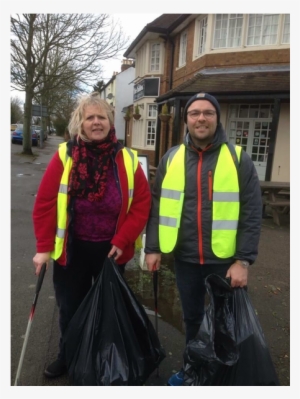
110	339
230	347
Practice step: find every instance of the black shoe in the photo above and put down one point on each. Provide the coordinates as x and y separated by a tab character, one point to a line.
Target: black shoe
55	369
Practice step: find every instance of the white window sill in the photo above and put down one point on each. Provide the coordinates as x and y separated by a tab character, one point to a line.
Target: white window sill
181	66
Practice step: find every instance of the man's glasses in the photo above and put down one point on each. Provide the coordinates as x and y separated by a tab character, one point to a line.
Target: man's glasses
206	114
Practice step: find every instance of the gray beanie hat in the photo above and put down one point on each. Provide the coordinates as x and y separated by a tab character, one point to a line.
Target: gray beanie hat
203	96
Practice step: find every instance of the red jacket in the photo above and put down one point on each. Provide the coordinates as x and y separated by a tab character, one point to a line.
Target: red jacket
129	225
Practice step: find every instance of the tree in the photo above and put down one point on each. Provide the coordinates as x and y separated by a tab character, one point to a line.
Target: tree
99	86
53	51
16	112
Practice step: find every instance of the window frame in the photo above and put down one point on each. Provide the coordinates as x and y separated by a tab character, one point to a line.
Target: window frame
153	119
182	49
262	28
284	24
159	56
201	35
228	30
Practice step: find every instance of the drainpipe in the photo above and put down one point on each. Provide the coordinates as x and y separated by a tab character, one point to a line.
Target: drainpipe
159	106
157	142
273	135
171	61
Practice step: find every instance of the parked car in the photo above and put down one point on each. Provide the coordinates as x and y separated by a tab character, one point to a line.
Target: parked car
38	132
17	135
14	126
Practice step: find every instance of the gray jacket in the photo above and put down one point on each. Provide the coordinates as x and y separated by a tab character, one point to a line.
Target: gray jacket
194	236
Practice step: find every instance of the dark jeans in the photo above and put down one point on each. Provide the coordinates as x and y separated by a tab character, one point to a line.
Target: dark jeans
72	283
190	280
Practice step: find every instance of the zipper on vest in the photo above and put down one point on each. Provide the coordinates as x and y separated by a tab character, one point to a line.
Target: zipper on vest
199	209
210	186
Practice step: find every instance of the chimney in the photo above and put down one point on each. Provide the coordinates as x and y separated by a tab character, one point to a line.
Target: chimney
126	64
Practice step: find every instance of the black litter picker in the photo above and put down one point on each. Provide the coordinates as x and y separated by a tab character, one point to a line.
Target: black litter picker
31	315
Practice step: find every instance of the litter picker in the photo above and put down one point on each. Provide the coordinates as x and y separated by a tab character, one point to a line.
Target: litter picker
37	290
155	281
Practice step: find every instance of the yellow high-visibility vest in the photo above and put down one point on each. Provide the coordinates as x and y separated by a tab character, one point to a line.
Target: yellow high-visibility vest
225	205
131	164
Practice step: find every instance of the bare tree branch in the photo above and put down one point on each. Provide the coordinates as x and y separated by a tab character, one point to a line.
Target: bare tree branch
59	52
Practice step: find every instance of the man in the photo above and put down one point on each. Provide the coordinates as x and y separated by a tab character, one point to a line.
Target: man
206	208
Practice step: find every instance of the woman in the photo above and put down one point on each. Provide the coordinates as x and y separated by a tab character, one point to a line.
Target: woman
93	202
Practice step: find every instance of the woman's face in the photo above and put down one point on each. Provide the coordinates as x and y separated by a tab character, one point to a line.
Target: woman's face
95	123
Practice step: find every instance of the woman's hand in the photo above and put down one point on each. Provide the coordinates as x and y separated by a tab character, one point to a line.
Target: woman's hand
39	259
115	250
153	261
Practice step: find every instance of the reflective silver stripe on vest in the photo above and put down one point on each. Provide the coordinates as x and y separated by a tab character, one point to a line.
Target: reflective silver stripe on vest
130	193
167	221
226	197
63	189
170	194
225	224
60	233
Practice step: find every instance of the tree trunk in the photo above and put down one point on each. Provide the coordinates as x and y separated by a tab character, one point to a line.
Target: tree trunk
27	140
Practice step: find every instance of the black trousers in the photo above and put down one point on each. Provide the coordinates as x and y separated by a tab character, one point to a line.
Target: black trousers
190	280
72	283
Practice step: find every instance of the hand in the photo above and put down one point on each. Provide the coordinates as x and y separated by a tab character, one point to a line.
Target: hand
39	259
115	251
238	275
153	261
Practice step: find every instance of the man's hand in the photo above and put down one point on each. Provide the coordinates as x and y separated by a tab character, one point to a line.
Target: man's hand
39	259
153	261
238	275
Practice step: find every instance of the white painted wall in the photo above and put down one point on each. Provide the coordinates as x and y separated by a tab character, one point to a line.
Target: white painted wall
124	98
281	162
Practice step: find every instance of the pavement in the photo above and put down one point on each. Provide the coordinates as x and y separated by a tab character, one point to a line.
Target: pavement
269	287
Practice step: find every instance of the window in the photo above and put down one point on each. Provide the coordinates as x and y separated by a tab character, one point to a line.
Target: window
228	30
286	30
151	133
262	29
151	125
154	57
152	111
201	32
250	111
182	49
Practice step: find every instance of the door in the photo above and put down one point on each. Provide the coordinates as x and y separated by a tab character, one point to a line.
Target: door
259	148
253	133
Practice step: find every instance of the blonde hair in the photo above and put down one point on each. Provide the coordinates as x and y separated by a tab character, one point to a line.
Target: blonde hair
75	124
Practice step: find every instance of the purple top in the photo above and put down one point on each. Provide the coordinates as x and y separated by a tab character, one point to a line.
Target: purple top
96	221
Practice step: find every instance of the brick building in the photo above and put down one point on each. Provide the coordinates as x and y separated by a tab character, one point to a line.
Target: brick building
241	59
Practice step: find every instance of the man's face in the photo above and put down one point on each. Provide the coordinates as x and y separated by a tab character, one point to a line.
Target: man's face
202	122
